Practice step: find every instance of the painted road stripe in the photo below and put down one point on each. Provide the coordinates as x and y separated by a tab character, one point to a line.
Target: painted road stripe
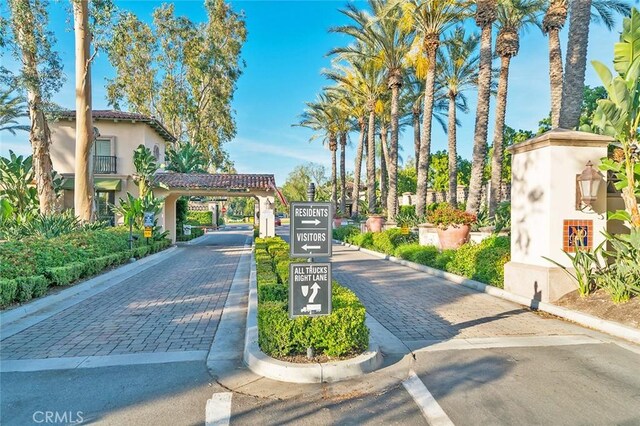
430	408
218	409
500	342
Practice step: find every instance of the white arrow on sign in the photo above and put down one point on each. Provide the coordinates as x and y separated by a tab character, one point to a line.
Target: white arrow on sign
307	248
315	287
311	222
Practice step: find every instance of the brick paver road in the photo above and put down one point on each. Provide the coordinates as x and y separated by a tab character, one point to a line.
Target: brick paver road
415	306
174	306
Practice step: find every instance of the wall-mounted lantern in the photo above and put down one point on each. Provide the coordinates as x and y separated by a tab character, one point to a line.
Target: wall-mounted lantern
587	185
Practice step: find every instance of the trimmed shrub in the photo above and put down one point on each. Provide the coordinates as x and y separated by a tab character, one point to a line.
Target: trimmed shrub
364	239
443	259
273	293
8	289
40	285
65	275
199	218
483	262
343	233
26	287
424	255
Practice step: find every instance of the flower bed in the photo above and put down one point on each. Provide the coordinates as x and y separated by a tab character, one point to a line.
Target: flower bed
483	262
29	267
342	333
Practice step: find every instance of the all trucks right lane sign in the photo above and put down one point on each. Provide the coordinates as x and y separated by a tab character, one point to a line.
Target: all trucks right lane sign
310	229
309	289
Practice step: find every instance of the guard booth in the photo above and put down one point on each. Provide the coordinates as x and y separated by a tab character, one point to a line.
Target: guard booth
262	187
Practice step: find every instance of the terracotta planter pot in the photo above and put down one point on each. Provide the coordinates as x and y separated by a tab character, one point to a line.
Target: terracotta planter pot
453	237
337	222
375	223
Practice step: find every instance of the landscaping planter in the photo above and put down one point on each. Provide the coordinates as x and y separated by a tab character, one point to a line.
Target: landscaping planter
375	223
453	237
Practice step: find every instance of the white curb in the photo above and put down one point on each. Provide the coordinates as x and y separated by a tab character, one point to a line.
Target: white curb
609	327
264	365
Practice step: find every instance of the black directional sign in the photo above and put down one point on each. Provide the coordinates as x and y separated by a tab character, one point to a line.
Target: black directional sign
310	229
309	289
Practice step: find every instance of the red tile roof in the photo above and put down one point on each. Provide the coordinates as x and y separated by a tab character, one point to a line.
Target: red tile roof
172	180
104	114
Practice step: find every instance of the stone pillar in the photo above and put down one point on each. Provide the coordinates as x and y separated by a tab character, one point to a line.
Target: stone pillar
267	216
544	213
406	199
167	218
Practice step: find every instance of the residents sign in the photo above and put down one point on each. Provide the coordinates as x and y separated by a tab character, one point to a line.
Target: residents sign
310	229
309	289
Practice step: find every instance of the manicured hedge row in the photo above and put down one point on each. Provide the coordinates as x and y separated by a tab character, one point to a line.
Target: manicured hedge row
341	333
483	262
38	264
199	218
195	233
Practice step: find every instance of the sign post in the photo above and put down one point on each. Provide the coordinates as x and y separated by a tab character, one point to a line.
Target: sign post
309	289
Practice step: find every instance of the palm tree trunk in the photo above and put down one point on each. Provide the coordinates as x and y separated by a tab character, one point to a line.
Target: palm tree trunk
355	196
498	137
576	64
555	75
371	162
384	166
343	177
453	152
416	135
482	121
392	165
425	141
39	135
83	186
334	175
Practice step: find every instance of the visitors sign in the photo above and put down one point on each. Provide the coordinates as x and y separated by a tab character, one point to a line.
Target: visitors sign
309	289
310	229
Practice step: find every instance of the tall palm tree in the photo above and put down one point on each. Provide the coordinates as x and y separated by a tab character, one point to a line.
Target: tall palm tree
581	13
363	79
388	44
342	113
430	19
514	16
552	24
457	72
485	16
11	109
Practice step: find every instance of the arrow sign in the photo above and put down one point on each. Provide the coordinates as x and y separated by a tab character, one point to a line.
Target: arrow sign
311	222
315	287
307	248
311	226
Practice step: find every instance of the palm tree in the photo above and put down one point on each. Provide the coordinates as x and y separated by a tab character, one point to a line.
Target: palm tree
342	111
429	19
581	13
486	14
186	158
457	72
552	24
363	79
389	44
12	108
513	16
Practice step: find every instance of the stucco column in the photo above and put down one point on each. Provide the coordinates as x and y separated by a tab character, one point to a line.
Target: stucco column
267	216
544	213
168	221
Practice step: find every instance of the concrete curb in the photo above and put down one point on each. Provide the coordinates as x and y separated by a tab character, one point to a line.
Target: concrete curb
48	306
264	365
609	327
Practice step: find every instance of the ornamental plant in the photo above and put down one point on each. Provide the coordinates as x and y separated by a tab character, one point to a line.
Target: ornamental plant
445	215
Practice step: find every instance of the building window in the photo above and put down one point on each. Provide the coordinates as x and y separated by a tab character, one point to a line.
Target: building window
156	152
104	202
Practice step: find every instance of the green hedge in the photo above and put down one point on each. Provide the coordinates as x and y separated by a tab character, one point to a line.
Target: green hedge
195	233
341	333
199	218
28	267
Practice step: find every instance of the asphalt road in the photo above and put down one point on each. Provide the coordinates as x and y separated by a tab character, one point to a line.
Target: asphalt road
500	383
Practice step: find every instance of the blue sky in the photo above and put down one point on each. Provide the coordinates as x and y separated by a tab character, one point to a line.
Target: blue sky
285	53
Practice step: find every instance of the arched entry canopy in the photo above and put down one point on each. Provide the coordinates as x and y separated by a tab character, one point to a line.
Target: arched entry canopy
262	187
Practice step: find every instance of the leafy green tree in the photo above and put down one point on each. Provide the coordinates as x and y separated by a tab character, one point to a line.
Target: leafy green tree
439	173
16	175
589	105
295	187
182	72
11	109
146	166
408	178
619	115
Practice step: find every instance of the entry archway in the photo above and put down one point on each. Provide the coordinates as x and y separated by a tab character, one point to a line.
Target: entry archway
171	186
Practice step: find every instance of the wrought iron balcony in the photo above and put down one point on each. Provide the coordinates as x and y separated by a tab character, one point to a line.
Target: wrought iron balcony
104	164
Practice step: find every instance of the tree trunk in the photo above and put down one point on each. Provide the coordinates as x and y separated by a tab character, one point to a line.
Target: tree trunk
416	136
334	180
425	141
555	75
575	64
343	177
371	162
453	152
498	137
83	187
482	121
384	166
39	135
392	165
355	196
